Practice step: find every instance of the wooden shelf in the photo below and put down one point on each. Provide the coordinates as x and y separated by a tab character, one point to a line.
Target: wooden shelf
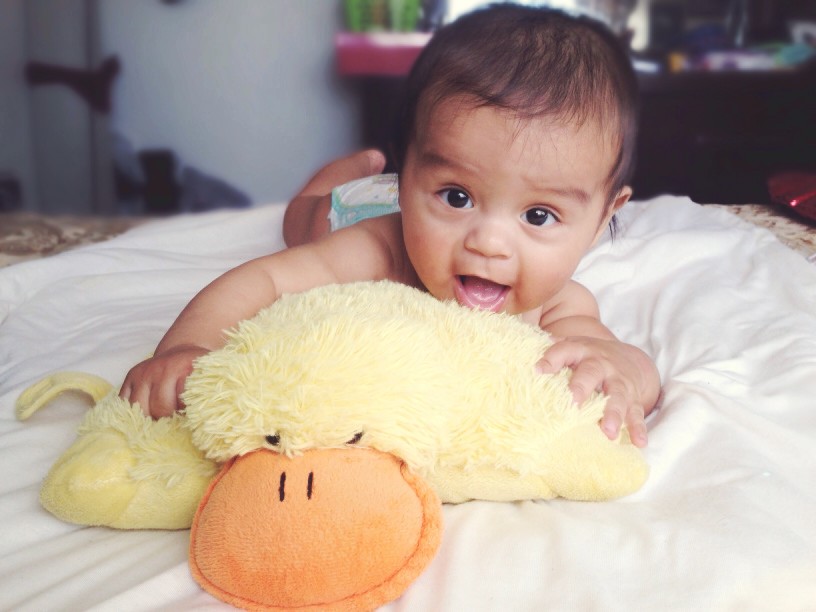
715	136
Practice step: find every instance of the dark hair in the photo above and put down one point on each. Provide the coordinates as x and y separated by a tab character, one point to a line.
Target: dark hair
532	61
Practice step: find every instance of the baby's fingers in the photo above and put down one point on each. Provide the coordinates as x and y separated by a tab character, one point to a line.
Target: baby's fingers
614	413
587	376
155	398
164	399
559	356
617	412
636	424
137	394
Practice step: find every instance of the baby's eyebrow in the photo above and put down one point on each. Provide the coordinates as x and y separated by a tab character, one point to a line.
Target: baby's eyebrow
438	160
433	158
581	196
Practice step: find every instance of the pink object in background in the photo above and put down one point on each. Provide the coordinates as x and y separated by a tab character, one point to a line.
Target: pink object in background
796	191
378	54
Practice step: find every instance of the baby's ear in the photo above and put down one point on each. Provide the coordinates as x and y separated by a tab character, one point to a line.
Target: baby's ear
621	198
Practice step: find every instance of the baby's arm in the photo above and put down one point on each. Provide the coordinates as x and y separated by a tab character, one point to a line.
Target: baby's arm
157	382
600	361
359	252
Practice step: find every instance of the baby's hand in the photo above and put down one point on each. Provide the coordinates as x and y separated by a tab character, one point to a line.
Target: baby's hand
621	371
157	382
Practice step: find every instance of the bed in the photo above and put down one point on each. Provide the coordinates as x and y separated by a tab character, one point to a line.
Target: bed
725	521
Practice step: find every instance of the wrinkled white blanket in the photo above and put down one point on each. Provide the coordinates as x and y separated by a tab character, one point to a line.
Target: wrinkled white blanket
725	521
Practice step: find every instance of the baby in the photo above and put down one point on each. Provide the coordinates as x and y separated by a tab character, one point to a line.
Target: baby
513	151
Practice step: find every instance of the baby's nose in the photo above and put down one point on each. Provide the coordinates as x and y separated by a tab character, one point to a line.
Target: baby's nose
489	238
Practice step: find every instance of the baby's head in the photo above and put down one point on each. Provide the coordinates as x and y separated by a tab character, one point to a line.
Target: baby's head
514	150
531	62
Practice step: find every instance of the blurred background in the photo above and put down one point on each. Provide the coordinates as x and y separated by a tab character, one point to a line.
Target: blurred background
130	107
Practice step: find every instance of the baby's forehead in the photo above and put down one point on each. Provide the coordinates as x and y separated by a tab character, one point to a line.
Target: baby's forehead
446	122
441	113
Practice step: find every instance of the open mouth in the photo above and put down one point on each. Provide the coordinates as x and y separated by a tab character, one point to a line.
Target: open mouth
475	292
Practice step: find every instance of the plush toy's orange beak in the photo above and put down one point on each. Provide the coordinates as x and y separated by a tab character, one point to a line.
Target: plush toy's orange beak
341	529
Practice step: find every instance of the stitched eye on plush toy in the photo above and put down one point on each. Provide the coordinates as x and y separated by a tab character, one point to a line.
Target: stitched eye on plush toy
273	440
356	438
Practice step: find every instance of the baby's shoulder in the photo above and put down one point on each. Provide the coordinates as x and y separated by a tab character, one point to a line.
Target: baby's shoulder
573	300
374	244
387	230
383	231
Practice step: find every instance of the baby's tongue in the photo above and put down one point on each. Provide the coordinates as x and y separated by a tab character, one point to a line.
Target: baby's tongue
481	293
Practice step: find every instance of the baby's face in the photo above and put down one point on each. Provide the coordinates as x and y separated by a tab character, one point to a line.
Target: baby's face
497	212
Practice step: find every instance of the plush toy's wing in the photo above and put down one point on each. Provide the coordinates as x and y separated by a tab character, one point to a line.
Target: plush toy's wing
581	464
125	470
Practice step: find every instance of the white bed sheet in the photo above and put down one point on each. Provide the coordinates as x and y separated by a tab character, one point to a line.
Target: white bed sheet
725	521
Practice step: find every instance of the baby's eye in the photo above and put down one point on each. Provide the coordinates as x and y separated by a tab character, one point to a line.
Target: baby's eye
456	198
539	217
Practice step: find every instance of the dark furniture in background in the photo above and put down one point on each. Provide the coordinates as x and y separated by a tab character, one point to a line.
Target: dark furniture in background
714	136
718	136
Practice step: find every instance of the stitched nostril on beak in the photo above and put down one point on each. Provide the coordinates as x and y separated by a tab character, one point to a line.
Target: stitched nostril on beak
282	486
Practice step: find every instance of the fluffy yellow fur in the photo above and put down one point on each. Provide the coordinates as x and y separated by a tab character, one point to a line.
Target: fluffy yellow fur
124	470
451	391
128	471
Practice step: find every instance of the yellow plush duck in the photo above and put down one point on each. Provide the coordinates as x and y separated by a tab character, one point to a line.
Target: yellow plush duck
329	413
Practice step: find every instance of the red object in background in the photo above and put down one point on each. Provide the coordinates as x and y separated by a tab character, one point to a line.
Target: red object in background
388	54
796	191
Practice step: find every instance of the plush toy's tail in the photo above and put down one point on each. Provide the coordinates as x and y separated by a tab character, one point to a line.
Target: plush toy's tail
125	470
42	392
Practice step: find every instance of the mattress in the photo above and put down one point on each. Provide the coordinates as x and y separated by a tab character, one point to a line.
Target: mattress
724	521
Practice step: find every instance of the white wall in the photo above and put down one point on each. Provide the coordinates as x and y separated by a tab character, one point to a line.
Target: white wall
15	143
60	121
241	89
